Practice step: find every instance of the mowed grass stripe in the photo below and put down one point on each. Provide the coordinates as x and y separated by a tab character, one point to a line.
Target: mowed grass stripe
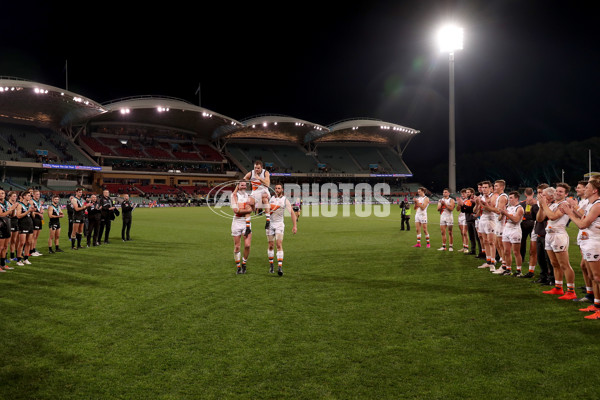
359	313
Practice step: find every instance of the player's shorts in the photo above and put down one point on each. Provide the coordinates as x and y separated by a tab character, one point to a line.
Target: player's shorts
421	218
14	224
534	237
238	227
54	225
37	224
446	219
462	219
590	249
477	225
5	228
78	218
487	226
26	225
512	235
296	208
257	195
499	229
557	241
275	229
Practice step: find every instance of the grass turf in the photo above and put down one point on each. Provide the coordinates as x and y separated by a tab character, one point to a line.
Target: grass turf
359	314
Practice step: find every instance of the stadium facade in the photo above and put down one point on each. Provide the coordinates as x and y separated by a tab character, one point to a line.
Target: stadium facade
162	146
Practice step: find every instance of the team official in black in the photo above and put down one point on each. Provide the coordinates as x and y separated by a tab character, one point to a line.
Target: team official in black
126	211
94	215
107	215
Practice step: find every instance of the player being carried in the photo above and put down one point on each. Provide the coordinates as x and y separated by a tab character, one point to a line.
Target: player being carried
279	204
260	179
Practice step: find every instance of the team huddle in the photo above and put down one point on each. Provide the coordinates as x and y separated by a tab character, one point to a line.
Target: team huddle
495	221
260	201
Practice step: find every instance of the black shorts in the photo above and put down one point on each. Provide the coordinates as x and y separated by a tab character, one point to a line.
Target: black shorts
296	209
78	218
54	225
14	224
26	225
37	224
4	228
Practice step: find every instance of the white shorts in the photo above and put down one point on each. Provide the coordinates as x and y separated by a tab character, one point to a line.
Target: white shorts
477	225
590	250
238	227
487	226
499	229
557	242
421	218
462	219
446	219
257	196
512	235
534	237
275	228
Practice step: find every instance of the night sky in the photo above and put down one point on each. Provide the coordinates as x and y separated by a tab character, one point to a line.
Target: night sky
528	72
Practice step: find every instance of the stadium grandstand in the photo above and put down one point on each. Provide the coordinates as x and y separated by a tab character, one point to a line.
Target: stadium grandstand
159	148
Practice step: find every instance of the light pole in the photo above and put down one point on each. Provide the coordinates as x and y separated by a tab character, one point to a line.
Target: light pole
450	39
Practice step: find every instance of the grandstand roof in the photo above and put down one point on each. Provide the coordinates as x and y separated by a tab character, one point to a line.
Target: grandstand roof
27	102
23	101
167	112
276	127
367	130
285	128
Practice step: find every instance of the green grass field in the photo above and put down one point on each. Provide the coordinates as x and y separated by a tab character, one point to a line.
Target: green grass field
359	314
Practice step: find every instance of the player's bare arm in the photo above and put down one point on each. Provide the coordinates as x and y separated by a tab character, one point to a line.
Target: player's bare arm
582	223
288	207
513	217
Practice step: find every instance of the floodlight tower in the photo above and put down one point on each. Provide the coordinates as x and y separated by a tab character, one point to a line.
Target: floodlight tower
450	39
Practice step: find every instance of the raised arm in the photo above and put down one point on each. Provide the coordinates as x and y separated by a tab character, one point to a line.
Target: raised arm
514	217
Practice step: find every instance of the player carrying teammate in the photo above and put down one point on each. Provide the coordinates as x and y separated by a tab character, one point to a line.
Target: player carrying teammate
242	205
279	204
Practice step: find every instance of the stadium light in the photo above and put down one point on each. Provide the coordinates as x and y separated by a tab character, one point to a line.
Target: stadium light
450	38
